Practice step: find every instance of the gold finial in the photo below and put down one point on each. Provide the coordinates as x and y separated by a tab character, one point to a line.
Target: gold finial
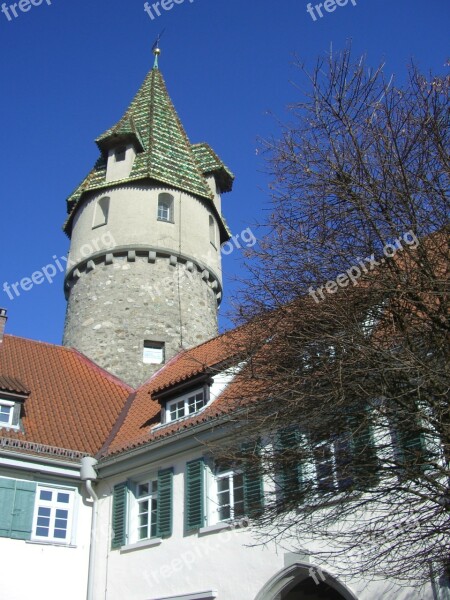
156	49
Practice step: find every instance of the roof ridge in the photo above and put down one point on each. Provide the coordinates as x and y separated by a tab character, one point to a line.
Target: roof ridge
104	371
20	337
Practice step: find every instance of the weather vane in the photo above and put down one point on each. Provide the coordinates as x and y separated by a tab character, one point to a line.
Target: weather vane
156	49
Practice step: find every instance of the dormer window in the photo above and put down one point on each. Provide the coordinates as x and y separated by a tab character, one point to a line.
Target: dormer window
186	405
9	413
120	153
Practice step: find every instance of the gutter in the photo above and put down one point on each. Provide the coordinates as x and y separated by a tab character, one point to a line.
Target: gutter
88	475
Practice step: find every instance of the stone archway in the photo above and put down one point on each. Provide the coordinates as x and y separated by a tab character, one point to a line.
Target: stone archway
303	581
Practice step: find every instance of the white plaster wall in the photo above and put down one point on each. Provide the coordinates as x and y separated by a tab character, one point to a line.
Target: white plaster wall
133	220
227	561
47	571
117	170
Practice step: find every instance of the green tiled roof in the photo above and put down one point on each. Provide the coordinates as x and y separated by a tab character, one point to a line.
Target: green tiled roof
164	153
209	162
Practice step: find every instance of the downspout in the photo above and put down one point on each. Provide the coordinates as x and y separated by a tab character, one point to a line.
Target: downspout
88	475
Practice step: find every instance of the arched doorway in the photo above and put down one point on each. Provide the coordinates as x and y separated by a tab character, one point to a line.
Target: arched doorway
308	589
303	581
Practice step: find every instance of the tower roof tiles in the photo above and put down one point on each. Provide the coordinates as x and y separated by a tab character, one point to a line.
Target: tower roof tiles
164	152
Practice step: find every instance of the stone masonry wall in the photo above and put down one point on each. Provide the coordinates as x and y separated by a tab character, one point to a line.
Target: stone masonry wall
113	308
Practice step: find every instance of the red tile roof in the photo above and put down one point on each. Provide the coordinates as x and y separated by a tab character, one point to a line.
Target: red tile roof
137	422
10	384
73	403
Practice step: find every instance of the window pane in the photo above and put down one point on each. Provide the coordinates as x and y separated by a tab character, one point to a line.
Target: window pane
45	495
61	523
62	514
63	498
60	534
43	521
223	484
5	414
224	513
43	511
42	531
143	489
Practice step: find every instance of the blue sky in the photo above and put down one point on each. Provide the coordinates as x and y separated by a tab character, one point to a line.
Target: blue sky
69	69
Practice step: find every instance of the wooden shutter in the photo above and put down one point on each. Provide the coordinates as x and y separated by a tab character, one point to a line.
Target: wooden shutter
119	515
17	500
164	506
253	483
7	493
364	456
22	520
194	495
289	468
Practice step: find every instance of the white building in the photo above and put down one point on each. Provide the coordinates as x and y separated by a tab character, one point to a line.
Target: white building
108	490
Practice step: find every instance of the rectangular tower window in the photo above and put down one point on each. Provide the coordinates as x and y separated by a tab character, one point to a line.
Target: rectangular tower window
165	208
153	353
120	154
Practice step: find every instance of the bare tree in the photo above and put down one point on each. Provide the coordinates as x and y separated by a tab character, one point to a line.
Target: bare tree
344	396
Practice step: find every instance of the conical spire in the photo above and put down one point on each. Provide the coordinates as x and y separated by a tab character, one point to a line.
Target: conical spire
164	152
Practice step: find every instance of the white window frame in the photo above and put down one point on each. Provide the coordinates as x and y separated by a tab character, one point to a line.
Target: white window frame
10	405
212	496
54	506
134	505
182	402
165	208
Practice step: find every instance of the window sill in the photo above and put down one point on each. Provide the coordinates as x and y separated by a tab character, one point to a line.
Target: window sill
44	543
142	544
213	528
165	221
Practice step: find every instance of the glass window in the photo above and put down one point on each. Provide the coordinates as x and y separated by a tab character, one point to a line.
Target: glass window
53	515
196	402
230	495
6	413
147	506
186	405
165	208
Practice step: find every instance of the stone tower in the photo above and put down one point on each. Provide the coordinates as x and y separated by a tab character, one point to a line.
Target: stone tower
143	279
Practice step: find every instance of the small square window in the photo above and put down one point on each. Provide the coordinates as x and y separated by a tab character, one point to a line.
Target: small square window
154	353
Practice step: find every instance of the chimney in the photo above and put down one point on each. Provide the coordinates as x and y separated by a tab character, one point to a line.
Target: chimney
3	319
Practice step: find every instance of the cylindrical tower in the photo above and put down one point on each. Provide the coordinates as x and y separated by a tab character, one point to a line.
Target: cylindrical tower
143	279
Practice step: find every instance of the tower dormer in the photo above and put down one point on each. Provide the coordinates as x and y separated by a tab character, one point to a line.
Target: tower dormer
144	276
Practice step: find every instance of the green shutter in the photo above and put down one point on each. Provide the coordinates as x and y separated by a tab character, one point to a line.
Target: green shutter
289	469
253	484
194	496
16	508
364	456
413	449
7	493
164	510
119	515
22	520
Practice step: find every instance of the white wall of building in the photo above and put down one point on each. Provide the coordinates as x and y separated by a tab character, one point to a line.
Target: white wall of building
228	561
47	571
